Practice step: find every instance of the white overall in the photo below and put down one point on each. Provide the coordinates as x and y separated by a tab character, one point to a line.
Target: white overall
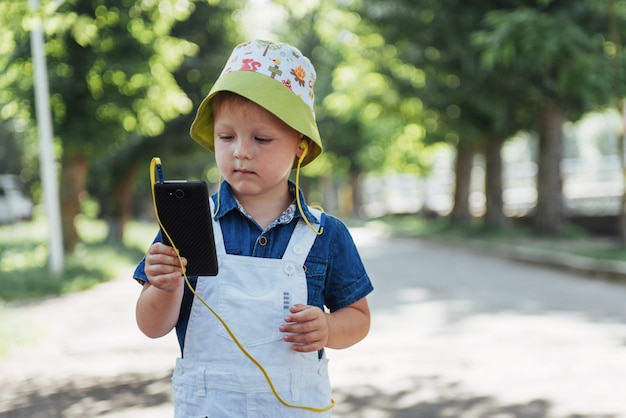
253	295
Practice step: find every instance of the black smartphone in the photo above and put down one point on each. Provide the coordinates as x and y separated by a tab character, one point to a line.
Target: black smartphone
184	212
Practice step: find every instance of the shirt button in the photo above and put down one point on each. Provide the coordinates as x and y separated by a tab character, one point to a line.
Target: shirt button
262	241
290	269
297	249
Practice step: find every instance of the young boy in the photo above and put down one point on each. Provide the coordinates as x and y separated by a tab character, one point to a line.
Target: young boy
281	263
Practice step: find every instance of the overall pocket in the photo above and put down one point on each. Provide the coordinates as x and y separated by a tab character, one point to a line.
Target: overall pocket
254	318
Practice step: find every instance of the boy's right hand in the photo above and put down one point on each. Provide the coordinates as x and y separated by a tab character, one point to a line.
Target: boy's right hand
163	267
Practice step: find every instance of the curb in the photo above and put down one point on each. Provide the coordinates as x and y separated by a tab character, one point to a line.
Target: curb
608	270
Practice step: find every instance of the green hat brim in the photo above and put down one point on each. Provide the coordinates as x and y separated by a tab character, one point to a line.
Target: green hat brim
270	94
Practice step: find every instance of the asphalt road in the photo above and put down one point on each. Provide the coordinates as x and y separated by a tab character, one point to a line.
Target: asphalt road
454	334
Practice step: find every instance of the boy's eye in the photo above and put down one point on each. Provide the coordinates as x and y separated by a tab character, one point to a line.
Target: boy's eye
259	139
224	137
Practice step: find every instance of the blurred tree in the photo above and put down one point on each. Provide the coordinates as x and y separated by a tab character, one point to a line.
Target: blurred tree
465	105
361	114
473	74
489	67
113	89
614	47
213	32
393	77
555	50
18	144
110	73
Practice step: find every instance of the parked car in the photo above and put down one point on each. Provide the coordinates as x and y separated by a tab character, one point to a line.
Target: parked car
14	204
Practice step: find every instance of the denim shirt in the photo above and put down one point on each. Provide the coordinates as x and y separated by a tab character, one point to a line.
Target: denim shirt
335	273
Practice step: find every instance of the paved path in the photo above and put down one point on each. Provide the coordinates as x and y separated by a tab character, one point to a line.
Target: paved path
454	334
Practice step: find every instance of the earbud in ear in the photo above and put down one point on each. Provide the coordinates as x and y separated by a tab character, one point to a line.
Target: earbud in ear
304	146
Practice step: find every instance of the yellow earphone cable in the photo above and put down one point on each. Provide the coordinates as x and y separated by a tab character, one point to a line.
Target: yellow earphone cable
156	163
304	145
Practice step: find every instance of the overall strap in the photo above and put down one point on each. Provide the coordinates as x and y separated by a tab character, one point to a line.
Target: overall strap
217	232
301	240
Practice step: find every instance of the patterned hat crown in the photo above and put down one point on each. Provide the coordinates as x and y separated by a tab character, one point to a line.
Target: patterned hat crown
278	61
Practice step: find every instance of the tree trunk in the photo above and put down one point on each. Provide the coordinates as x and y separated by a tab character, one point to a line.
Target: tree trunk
463	174
357	198
73	173
614	37
621	150
120	209
329	194
494	215
549	214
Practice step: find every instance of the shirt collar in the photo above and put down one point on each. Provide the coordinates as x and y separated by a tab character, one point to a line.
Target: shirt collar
228	202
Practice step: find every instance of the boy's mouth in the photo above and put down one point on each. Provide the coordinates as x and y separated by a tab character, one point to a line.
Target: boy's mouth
243	171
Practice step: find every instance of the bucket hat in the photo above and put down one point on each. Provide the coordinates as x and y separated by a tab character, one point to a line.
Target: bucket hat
277	77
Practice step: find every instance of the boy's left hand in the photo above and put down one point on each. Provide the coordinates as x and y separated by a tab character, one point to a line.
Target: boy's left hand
306	328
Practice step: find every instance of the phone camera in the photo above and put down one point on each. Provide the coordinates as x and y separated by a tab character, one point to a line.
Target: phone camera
179	193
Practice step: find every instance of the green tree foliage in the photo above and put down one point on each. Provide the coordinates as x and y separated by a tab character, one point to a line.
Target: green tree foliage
464	105
127	65
394	77
109	74
405	75
366	122
112	82
494	67
342	51
557	52
17	143
213	33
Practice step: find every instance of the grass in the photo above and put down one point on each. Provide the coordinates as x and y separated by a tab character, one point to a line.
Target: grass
24	274
573	240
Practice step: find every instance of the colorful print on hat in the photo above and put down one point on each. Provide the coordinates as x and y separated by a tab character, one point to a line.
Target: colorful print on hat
278	61
277	77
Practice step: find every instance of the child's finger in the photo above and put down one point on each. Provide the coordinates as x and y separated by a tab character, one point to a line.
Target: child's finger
298	307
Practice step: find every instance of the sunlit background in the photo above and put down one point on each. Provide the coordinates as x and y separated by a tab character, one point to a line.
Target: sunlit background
491	122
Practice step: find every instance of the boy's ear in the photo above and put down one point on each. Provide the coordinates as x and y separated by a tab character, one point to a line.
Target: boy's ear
304	146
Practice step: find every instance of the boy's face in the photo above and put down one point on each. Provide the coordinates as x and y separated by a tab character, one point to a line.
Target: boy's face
254	149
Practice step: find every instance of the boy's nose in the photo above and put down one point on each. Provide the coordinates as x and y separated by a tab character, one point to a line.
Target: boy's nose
242	149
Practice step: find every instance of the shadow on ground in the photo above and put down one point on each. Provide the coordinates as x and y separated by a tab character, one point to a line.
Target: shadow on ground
100	397
448	402
86	397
